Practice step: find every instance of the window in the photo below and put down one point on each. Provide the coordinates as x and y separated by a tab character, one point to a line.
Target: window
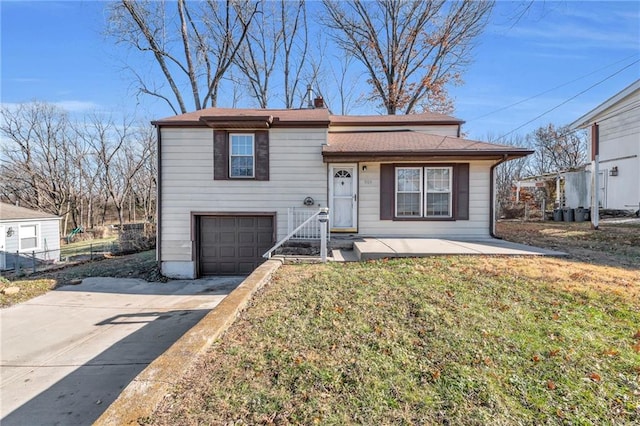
28	237
241	158
438	190
409	192
423	192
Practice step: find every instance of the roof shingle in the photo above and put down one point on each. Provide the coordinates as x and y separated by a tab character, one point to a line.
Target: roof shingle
11	212
410	142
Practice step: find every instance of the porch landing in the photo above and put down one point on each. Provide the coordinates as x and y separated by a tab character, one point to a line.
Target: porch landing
378	248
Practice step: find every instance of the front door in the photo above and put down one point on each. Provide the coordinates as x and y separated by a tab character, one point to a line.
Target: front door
343	184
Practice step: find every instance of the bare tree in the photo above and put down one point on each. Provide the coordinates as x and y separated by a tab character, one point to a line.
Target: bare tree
257	56
275	48
119	157
37	158
193	49
411	50
509	172
295	45
557	149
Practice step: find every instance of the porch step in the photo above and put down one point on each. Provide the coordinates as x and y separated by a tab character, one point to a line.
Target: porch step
341	255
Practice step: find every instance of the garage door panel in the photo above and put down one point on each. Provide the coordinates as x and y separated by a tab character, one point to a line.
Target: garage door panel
265	222
246	252
209	252
226	252
247	237
233	244
227	268
227	237
226	222
265	238
246	267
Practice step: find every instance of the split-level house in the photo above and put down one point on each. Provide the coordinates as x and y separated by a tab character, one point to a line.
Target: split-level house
229	179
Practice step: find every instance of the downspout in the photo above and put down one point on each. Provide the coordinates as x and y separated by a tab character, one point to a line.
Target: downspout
159	201
492	201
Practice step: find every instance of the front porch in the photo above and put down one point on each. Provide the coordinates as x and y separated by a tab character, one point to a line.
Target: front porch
351	248
378	248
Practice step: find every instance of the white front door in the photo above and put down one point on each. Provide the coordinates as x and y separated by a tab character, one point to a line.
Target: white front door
343	184
3	263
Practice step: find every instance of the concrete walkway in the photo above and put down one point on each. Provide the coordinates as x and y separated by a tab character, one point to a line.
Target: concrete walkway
378	248
67	355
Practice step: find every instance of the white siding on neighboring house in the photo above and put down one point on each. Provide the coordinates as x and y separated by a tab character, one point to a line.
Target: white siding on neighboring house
296	171
619	131
47	240
477	226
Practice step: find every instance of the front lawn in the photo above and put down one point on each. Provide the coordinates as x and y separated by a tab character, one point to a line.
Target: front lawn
441	340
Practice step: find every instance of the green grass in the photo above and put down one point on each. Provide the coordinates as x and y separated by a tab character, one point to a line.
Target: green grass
472	340
28	290
84	247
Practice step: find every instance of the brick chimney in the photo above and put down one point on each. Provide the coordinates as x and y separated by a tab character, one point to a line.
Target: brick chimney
318	102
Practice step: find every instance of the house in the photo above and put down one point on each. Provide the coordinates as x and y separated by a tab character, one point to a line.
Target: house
229	177
617	121
25	233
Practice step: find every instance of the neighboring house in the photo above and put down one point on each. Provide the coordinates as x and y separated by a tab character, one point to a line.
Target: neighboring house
618	122
228	178
25	233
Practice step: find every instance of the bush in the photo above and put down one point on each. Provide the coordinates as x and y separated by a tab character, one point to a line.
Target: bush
133	239
512	212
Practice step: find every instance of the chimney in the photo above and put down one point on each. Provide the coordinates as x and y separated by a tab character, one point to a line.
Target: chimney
309	97
318	102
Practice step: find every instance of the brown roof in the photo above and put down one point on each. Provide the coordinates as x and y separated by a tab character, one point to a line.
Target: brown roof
410	144
270	117
391	120
245	117
11	212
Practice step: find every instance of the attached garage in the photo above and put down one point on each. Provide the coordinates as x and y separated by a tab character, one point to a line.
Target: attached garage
233	244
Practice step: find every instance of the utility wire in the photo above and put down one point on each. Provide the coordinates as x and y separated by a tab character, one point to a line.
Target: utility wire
570	99
550	90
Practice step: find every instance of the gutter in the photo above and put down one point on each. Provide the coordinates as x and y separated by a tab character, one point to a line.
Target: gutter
159	199
492	202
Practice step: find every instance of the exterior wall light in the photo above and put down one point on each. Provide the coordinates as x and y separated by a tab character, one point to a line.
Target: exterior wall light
10	232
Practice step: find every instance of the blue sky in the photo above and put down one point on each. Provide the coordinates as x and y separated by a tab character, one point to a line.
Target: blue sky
56	52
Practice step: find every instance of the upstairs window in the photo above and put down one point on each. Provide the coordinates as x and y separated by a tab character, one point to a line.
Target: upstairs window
242	156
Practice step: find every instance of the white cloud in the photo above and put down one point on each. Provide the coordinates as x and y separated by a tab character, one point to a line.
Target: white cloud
77	106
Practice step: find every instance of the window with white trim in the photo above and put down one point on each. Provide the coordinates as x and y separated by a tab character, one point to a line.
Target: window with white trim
241	155
28	237
409	192
424	192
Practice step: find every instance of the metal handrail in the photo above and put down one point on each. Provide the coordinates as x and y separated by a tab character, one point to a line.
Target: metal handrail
267	255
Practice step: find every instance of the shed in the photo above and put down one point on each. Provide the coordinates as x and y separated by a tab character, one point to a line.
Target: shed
26	234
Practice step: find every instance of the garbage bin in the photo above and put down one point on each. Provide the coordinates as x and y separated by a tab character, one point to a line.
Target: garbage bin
567	214
582	214
557	215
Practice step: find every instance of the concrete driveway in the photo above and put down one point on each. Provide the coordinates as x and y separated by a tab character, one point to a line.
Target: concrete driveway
66	355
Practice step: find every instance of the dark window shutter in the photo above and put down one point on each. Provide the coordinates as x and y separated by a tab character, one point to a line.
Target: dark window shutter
220	155
461	178
387	191
262	154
